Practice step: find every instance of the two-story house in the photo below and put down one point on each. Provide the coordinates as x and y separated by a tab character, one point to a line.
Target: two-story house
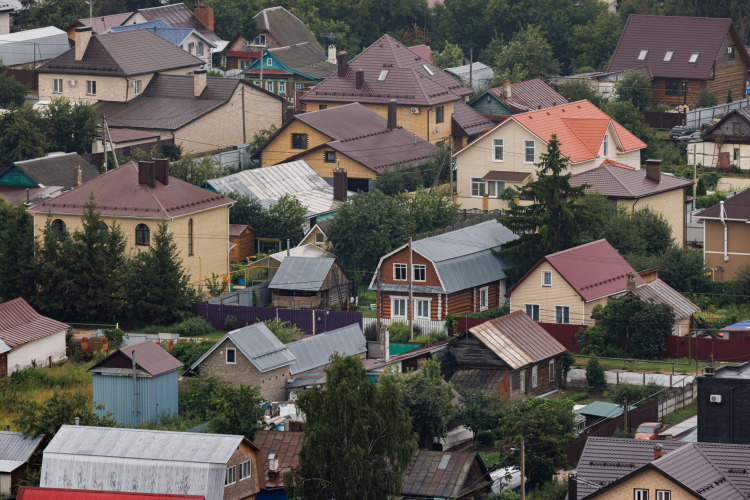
178	15
724	143
498	103
726	232
428	98
508	154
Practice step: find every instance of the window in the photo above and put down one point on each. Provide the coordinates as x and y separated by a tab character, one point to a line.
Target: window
736	128
282	87
428	70
730	55
383	75
58	226
399	272
320	238
551	370
534	376
231	356
494	188
422	308
440	114
57	86
483	298
246	470
497	150
420	272
477	187
330	156
257	83
190	237
299	86
562	314
259	40
640	494
605	145
522	381
90	87
668	56
101	231
736	156
673	87
398	308
642	54
136	87
546	278
231	475
323	106
244	63
299	141
269	62
532	310
269	85
200	49
694	58
528	151
142	234
663	495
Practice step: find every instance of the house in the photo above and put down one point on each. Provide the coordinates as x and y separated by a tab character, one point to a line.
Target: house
724	143
36	493
603	83
387	70
103	67
44	177
178	15
27	338
154	383
196	112
126	141
252	355
564	287
476	75
498	103
507	155
725	230
723	405
680	62
267	266
444	475
658	292
449	275
32	47
316	235
215	466
665	194
237	54
280	452
6	10
310	283
408	361
188	39
504	356
16	449
138	197
422	51
242	237
643	469
351	137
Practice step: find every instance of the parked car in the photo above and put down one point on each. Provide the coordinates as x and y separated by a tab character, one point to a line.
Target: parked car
690	137
679	131
649	430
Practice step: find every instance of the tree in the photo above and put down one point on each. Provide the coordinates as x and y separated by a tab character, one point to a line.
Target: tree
566	361
595	41
579	89
12	92
684	270
706	98
428	210
246	210
729	96
21	136
70	127
428	400
197	170
236	410
260	138
527	55
595	376
554	221
634	87
285	218
358	439
627	114
450	57
57	294
480	411
18	269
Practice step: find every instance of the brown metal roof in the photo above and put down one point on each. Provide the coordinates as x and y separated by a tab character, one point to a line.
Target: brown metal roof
119	135
471	121
118	194
20	323
517	339
506	175
286	445
529	95
178	15
613	181
736	208
658	292
101	24
408	79
237	229
442	475
123	53
286	28
149	357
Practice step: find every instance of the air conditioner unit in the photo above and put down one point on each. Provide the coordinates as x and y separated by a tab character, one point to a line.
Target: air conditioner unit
715	398
415	110
72	83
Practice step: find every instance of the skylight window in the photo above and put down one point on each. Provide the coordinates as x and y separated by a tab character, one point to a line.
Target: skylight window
428	70
642	54
693	58
383	74
668	56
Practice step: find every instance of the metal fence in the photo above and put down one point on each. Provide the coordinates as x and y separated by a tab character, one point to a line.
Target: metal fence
658	119
705	116
244	297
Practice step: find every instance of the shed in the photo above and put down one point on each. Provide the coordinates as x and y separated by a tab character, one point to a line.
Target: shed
242	237
16	449
267	266
32	46
440	475
36	493
155	384
601	410
310	283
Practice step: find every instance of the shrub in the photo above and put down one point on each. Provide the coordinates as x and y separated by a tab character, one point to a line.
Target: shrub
595	375
371	332
193	327
578	396
634	393
492	313
431	338
700	189
486	437
189	352
734	169
451	323
399	331
285	331
114	338
623	434
231	323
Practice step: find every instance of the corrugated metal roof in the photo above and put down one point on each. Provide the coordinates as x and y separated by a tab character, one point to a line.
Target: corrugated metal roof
258	344
658	292
422	51
101	24
316	351
517	339
441	475
286	446
149	357
619	182
480	74
25	47
173	35
17	446
57	169
698	473
737	208
285	27
20	323
36	493
302	273
602	409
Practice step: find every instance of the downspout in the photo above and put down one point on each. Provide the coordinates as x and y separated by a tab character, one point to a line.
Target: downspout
428	124
722	214
135	391
731	414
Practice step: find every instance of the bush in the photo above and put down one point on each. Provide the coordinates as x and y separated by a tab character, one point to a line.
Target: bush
486	437
578	396
189	352
551	490
231	323
595	375
431	338
700	189
285	331
114	338
734	169
193	327
623	434
634	393
502	310
399	331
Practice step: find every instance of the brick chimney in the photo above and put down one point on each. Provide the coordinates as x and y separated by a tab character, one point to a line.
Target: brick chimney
199	82
339	184
392	114
82	38
161	167
657	451
147	173
359	78
506	89
631	283
77	176
653	170
205	15
331	54
342	63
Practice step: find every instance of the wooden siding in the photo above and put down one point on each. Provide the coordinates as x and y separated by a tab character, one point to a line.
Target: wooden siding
402	257
560	293
436	301
3	364
659	92
469	352
729	73
310	238
489	105
248	487
245	245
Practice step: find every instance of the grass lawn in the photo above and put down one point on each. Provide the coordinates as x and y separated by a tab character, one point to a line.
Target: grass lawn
680	365
490	458
681	414
366	297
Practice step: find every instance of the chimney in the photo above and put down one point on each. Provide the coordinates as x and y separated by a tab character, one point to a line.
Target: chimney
506	89
161	168
657	451
205	15
82	38
392	116
572	486
146	173
331	54
339	184
630	286
343	63
78	176
273	464
359	78
199	82
78	420
653	170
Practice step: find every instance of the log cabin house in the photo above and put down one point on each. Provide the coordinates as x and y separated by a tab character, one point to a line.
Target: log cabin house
309	283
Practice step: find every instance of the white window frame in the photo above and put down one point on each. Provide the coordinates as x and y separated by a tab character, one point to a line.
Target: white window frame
668	56
562	308
605	145
190	47
246	469
736	154
57	85
320	238
420	267
397	270
419	304
532	306
299	86
694	58
136	87
498	145
234	355
269	85
269	62
281	87
642	55
259	40
90	87
405	314
730	51
230	476
640	494
663	494
546	274
551	370
199	50
257	83
484	293
383	75
477	182
522	381
529	145
534	376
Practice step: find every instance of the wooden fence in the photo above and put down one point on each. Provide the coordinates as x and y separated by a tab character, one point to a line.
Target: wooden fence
657	119
426	326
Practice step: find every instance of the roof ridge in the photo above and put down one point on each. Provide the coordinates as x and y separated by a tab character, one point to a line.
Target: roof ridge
103	46
616	178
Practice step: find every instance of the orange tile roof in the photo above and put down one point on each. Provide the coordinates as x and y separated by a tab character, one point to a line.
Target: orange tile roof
616	164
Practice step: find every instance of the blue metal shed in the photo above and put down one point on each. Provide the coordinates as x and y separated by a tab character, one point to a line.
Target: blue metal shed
140	398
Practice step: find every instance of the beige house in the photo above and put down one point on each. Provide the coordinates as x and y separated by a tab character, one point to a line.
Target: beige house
508	155
726	234
138	197
317	234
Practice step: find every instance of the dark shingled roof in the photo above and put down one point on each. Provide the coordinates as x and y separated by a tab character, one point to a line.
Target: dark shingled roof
736	208
409	79
683	35
443	475
286	445
20	323
57	169
529	95
149	357
613	181
124	53
178	15
285	27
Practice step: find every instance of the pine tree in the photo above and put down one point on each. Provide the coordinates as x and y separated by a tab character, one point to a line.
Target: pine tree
57	291
18	269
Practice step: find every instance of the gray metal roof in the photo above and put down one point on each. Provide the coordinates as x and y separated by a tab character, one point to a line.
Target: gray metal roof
17	447
316	351
658	292
480	74
302	273
258	344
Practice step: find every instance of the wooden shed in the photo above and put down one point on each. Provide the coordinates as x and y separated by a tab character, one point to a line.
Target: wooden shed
310	283
242	242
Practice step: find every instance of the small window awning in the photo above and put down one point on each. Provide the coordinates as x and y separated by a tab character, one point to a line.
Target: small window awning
506	175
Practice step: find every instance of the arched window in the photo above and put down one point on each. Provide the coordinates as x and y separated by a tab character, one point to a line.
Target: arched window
142	234
58	225
190	237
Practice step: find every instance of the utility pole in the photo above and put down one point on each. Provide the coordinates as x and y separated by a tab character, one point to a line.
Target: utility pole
450	165
523	470
410	306
261	68
244	131
377	300
111	144
625	413
471	66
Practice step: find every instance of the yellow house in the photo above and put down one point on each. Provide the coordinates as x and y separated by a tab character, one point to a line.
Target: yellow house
317	235
507	155
138	197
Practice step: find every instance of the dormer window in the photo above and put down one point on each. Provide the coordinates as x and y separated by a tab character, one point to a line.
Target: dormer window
269	62
428	70
383	75
694	58
668	56
642	54
605	145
